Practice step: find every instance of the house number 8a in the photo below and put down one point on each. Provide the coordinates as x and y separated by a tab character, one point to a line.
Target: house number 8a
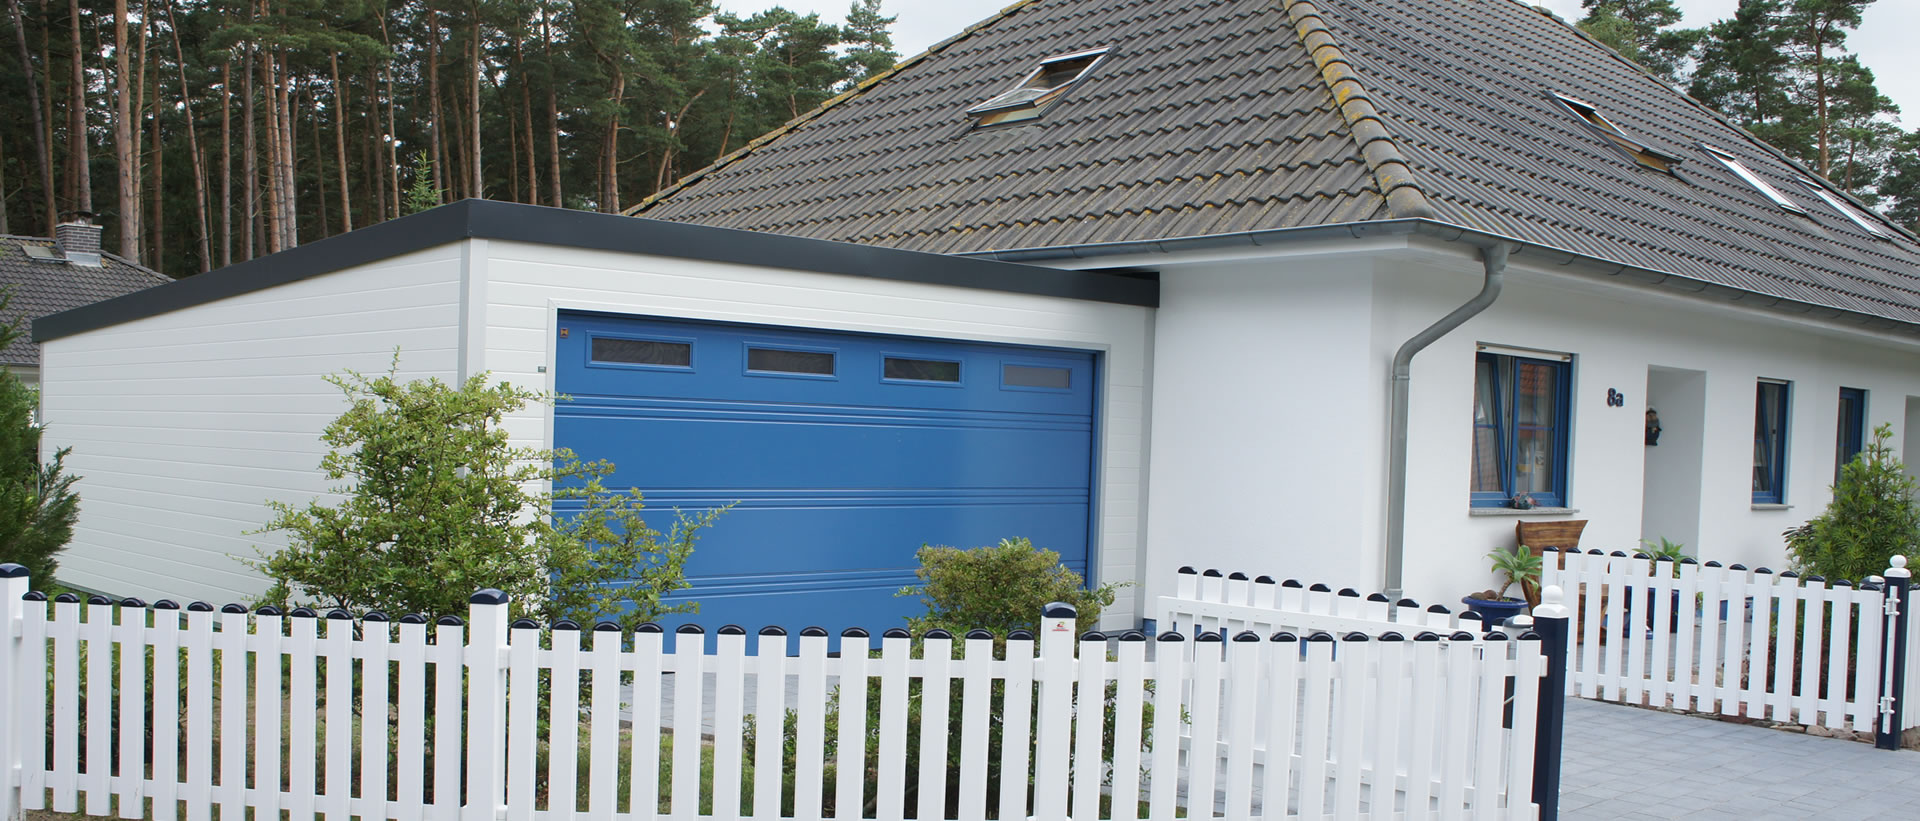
1616	399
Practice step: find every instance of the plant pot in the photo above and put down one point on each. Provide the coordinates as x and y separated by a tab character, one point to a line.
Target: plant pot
1647	601
1495	611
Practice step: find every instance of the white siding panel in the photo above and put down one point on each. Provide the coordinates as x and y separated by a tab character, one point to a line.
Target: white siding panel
184	424
527	285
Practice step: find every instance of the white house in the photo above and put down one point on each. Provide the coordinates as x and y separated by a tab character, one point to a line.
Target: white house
1131	279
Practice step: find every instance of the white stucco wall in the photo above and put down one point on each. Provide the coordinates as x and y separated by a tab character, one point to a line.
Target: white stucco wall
1270	415
184	424
525	286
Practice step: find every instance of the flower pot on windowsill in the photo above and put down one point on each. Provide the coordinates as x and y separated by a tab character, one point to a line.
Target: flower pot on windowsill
1494	609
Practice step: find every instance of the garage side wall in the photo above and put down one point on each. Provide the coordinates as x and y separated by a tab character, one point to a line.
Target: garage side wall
184	424
527	285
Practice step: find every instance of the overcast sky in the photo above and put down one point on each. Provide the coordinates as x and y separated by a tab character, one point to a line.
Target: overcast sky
1896	67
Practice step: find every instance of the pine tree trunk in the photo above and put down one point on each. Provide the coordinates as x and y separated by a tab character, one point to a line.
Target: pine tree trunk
372	152
339	146
271	125
553	116
433	95
141	114
193	146
526	117
226	163
289	201
127	185
476	183
79	175
249	164
392	127
42	151
320	167
610	188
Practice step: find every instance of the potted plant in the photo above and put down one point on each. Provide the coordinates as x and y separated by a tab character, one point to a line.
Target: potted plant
1672	553
1518	565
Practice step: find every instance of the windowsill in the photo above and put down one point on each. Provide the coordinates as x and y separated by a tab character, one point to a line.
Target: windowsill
1771	506
1508	511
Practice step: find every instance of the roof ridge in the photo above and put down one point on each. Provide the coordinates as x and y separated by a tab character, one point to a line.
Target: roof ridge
1391	170
790	125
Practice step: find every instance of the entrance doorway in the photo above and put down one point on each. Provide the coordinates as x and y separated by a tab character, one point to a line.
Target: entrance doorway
1670	504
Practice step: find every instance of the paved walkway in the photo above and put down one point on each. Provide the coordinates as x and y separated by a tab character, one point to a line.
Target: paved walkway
1627	764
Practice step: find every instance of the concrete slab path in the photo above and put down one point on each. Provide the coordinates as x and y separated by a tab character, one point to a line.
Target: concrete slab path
1629	764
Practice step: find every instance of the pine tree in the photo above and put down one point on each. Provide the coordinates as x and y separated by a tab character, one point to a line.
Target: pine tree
1642	31
38	505
1871	518
421	195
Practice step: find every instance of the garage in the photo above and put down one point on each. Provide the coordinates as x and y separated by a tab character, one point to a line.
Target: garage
843	453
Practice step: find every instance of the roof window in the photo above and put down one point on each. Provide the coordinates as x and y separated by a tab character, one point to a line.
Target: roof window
1844	209
1736	166
1040	88
1635	150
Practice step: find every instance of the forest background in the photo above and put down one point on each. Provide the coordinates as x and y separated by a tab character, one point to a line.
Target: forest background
207	132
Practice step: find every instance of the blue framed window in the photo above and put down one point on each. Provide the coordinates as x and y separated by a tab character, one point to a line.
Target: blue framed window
1520	430
1770	442
1853	428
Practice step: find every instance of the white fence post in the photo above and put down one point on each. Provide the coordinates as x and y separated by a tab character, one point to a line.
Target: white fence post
486	706
13	585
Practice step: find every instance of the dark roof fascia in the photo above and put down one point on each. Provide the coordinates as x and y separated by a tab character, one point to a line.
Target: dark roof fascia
1522	251
513	222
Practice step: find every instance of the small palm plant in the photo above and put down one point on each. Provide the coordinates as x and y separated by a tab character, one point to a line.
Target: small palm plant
1665	550
1516	565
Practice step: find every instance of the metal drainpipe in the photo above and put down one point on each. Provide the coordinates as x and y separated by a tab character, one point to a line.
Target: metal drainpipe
1493	259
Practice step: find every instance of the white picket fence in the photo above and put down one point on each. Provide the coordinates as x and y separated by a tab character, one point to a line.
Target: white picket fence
1729	640
157	712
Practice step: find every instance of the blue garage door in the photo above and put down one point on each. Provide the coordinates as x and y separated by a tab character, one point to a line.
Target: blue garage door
844	452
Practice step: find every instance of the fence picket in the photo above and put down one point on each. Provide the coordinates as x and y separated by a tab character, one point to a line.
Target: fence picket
1459	734
1423	722
97	782
302	658
1389	694
810	732
1684	651
895	650
1866	682
729	665
166	710
1786	592
1169	674
375	712
266	713
689	653
1243	667
523	702
1318	710
131	642
1712	631
976	698
1129	719
1591	566
935	684
1089	713
603	722
643	775
1203	751
410	731
563	722
1760	592
1640	597
30	685
449	660
1357	652
1660	671
1487	786
769	721
1525	713
338	647
233	718
850	765
1283	660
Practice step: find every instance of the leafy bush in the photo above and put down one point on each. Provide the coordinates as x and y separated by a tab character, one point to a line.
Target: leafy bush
1871	518
439	504
37	503
999	588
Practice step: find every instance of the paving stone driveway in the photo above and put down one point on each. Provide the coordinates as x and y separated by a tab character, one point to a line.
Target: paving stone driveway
1626	764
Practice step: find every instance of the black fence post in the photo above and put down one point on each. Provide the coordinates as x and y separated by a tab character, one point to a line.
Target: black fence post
1550	621
1893	678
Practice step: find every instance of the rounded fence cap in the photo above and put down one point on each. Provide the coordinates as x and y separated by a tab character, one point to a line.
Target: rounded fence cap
1317	587
977	634
199	607
732	630
1392	636
1529	636
606	627
1093	635
1842	582
1320	636
1246	635
649	628
1689	560
1212	573
1206	637
1427	635
1236	576
524	624
99	599
1619	554
690	630
1639	555
1356	636
1550	549
1187	570
1596	552
774	631
1348	592
1292	583
337	614
938	633
1263	580
450	621
234	609
134	602
1284	636
1711	563
374	615
566	624
304	613
1495	635
1133	635
854	633
13	571
1765	570
1738	567
1439	608
413	618
33	595
1407	603
1461	635
1170	635
1059	610
1789	574
1379	597
488	596
896	633
1020	635
813	632
1897	567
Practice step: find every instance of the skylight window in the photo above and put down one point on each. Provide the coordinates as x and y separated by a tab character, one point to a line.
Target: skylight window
1635	150
1040	88
1736	166
1844	209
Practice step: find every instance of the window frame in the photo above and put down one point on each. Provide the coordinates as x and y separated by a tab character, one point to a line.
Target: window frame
1740	169
1846	446
1843	208
1003	109
1776	473
1642	155
1505	394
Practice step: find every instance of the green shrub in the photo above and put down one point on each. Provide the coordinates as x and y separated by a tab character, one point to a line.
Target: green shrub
1000	588
1871	518
437	504
37	503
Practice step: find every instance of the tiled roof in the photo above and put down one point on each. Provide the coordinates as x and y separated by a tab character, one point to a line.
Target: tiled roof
42	287
1218	116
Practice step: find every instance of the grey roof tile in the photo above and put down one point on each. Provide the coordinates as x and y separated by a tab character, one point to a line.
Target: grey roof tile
1209	116
38	288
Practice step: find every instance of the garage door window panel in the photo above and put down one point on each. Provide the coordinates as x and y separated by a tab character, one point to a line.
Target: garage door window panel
641	352
1024	376
922	371
810	363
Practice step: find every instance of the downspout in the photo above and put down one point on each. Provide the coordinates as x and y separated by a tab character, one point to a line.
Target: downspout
1493	259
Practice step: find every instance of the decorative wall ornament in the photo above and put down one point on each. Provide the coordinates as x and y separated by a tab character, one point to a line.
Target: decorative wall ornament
1653	427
